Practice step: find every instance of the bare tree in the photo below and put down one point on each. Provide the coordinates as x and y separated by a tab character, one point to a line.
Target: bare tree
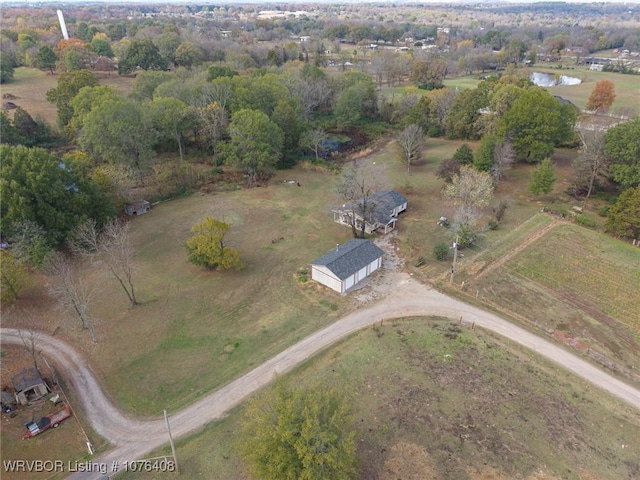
470	191
70	289
113	249
410	144
28	334
593	163
504	155
314	140
118	252
357	188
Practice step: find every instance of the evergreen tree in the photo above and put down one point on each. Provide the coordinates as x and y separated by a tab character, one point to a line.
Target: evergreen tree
623	219
543	178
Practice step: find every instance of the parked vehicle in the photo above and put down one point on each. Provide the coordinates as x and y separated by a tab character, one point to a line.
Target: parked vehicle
45	423
7	402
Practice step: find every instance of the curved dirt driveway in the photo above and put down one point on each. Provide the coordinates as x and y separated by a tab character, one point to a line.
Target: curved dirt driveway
133	439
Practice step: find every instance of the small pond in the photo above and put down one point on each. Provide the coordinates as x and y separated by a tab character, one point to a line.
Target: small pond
550	80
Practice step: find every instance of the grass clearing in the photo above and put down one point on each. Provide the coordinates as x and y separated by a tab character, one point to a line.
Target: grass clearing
627	87
170	350
30	85
465	403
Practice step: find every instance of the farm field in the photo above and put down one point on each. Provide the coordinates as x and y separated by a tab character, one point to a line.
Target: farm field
434	397
586	290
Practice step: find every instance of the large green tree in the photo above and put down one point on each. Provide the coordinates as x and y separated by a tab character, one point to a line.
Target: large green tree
171	119
622	144
284	115
206	247
6	68
464	113
69	84
356	103
256	142
9	134
37	186
101	46
119	131
143	54
46	59
13	277
536	123
86	99
299	434
623	219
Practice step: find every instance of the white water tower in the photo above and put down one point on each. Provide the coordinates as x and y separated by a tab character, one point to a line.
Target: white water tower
63	25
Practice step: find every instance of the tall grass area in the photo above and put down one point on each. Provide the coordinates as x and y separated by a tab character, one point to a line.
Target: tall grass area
449	402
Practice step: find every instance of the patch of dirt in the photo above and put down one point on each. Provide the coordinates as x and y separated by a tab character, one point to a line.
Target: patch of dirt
486	473
408	461
380	283
229	348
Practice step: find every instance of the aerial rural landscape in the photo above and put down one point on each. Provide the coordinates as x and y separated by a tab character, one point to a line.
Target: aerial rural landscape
390	240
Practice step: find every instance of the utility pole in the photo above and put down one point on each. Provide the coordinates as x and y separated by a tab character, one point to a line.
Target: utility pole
455	257
173	447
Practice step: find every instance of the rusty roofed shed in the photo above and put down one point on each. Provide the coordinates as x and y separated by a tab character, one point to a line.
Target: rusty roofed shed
29	386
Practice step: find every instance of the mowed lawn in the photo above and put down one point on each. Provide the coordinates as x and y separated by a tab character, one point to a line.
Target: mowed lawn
626	87
30	86
438	401
197	330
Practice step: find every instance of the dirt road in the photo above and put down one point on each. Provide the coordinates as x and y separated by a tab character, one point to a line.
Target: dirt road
133	439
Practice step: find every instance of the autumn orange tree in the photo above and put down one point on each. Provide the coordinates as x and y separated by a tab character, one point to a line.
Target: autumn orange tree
602	96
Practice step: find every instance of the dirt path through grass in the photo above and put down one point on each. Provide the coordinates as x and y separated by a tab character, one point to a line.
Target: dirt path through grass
133	439
512	253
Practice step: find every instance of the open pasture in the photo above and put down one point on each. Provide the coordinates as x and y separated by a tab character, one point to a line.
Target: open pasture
436	400
30	87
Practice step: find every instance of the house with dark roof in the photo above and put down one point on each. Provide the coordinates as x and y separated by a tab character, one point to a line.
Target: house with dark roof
29	386
347	264
379	212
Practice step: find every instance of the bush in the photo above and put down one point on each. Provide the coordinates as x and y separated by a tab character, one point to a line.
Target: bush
586	221
492	225
467	237
500	210
441	251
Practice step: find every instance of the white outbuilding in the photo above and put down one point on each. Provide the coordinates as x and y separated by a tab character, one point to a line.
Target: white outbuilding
347	264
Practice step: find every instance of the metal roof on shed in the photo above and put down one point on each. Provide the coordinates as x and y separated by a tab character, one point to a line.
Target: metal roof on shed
346	259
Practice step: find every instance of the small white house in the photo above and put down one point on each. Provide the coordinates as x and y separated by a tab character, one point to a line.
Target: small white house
347	264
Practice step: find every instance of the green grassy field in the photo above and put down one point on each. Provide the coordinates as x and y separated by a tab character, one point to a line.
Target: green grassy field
197	330
30	86
572	280
433	400
626	87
